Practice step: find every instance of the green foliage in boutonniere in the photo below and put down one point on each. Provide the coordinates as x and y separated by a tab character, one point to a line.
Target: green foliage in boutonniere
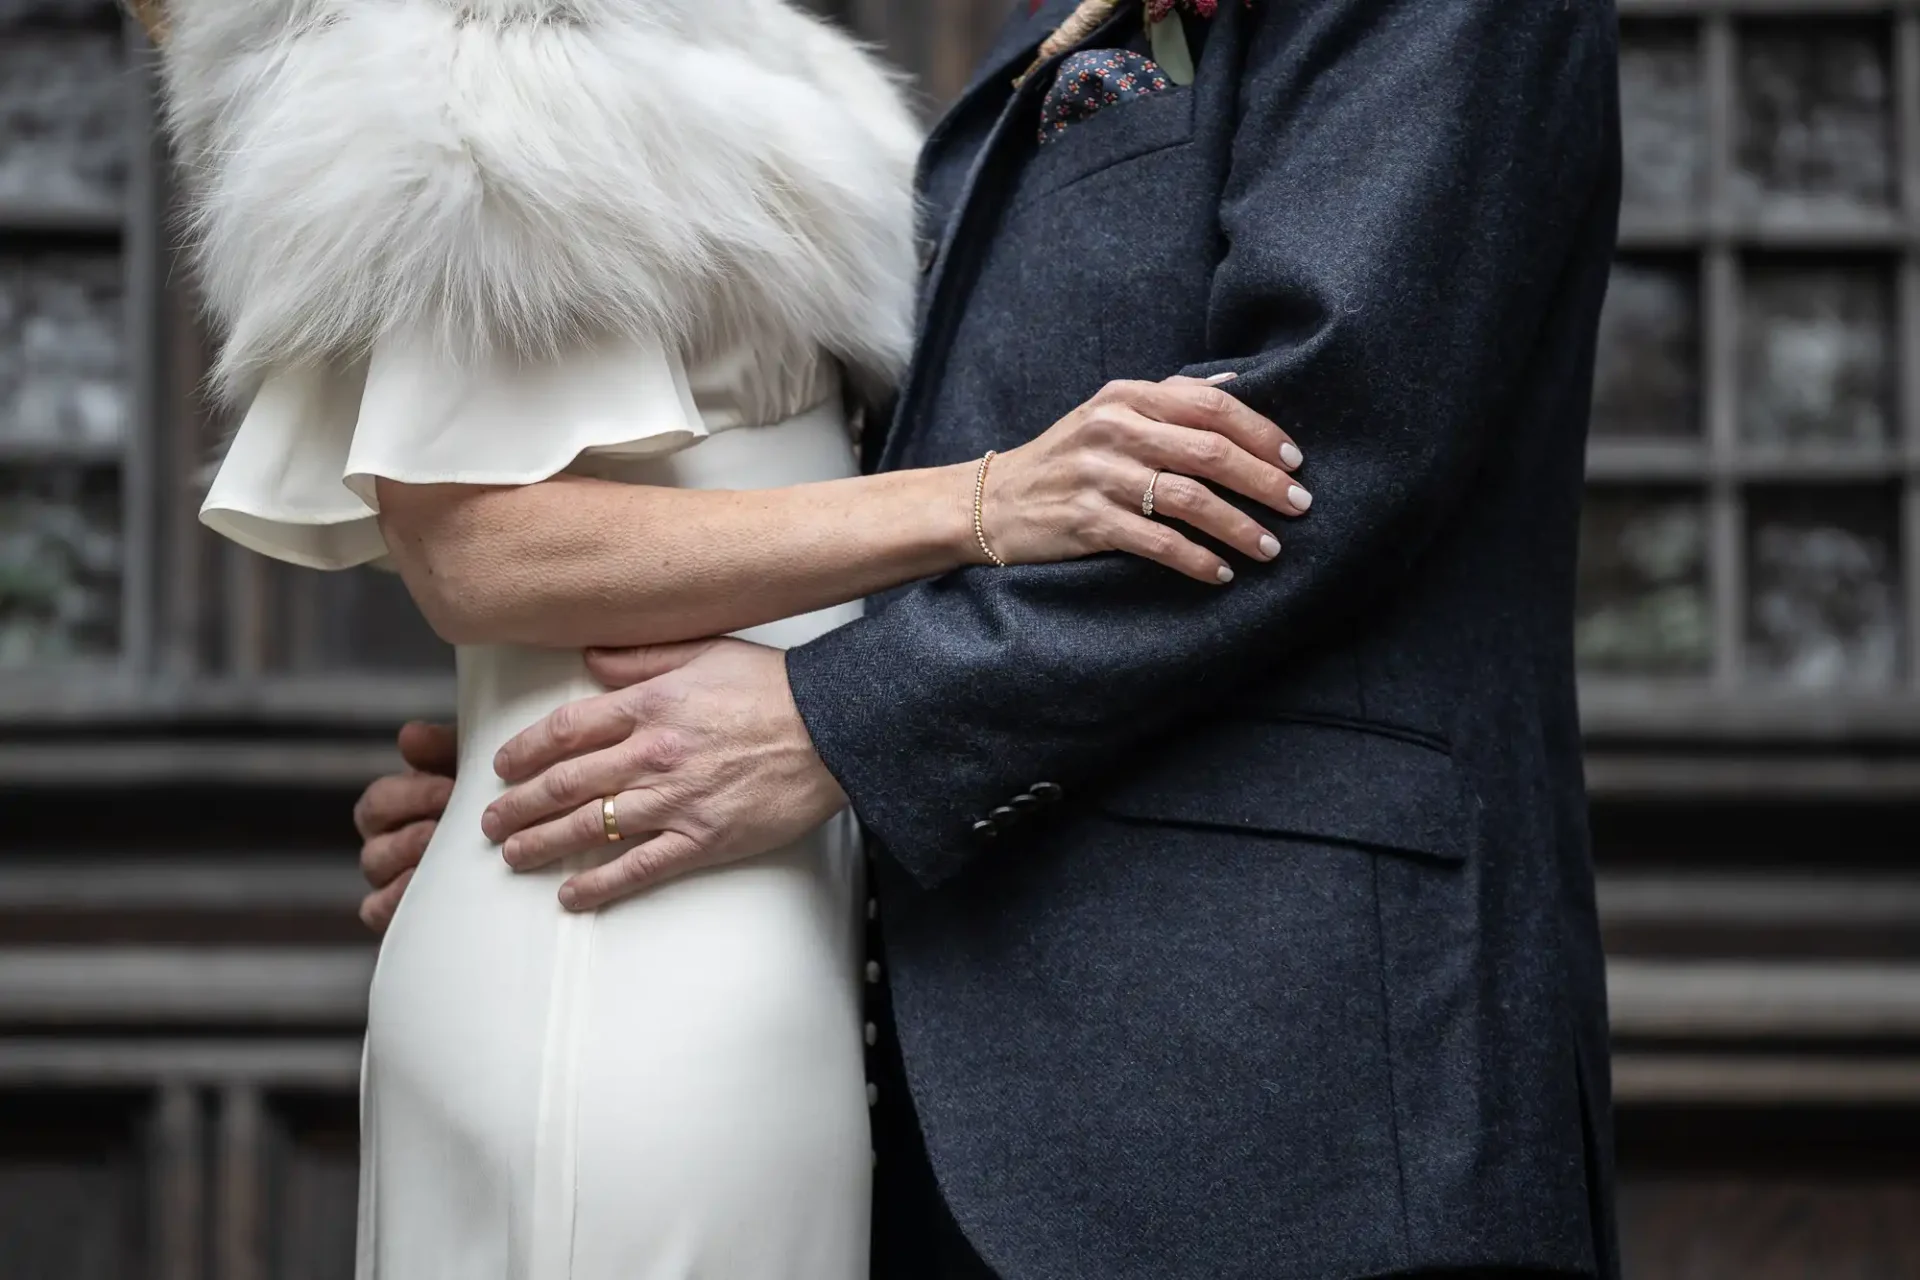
1168	37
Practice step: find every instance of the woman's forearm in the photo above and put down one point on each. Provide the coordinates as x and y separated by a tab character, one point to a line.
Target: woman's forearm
576	562
573	562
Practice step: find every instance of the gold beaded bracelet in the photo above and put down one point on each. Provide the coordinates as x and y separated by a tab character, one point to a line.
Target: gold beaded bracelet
979	498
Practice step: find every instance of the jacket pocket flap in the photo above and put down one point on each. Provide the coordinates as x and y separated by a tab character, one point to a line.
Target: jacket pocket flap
1348	783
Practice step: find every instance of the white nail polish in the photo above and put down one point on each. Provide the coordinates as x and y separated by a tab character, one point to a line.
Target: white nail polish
1269	545
1225	574
1290	455
1299	497
1218	378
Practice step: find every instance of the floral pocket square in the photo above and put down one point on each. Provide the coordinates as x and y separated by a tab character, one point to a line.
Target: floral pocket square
1093	79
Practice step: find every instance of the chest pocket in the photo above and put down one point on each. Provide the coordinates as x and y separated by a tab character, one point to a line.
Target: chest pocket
1118	132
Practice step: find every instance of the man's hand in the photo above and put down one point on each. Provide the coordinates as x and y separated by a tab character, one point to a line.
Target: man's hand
396	816
705	755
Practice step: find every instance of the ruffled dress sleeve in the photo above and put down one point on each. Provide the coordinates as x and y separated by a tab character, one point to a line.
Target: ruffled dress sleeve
297	482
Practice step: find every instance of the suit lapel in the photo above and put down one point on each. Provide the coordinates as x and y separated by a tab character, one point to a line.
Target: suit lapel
1019	38
1016	47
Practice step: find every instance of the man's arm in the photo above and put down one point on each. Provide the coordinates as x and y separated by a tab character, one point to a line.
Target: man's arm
1406	184
396	816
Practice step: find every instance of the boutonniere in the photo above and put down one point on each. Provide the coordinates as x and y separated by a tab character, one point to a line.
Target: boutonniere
1165	34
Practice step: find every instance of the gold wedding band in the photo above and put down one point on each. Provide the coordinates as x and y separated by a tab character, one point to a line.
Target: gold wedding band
609	822
1146	500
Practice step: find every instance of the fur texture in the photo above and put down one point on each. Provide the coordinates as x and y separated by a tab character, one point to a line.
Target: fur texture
526	174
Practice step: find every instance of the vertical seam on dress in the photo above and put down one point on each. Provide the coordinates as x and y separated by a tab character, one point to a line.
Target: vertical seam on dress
555	1134
576	1054
1386	1045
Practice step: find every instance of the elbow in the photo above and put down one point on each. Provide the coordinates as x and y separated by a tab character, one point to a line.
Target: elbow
454	615
433	539
451	597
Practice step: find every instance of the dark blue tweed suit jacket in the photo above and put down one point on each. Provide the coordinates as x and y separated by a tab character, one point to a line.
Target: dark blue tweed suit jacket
1276	954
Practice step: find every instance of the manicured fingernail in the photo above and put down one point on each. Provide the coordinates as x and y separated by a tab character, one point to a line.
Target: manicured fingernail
1299	497
1222	377
1291	456
1224	574
1269	545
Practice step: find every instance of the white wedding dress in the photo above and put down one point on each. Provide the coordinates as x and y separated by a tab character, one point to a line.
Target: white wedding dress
672	1087
407	217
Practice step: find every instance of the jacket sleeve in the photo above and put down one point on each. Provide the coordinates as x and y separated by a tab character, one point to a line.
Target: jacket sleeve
1406	184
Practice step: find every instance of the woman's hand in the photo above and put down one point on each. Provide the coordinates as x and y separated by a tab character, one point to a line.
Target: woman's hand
1080	488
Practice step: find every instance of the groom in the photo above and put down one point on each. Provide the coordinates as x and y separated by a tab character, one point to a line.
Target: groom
1235	933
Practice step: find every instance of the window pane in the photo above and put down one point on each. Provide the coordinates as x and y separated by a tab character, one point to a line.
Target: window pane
1647	375
59	565
1823	578
1816	354
1662	115
61	358
1815	126
1643	606
63	118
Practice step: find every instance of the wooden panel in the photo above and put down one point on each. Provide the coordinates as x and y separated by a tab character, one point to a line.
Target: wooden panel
177	1178
70	1199
316	1200
1770	1195
151	986
240	1186
1790	1229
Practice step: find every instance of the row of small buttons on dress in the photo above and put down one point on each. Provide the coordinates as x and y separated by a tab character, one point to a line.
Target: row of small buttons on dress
1034	798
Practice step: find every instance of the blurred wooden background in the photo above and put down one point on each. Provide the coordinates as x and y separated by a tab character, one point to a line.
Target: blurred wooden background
182	725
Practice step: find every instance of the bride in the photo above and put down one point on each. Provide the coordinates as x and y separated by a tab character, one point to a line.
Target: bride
554	306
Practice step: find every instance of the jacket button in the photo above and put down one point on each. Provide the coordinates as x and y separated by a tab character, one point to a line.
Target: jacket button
872	1034
928	252
1048	791
873	971
1025	802
1004	816
984	830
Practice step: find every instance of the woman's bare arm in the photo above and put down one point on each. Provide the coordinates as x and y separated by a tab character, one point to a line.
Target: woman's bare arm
575	562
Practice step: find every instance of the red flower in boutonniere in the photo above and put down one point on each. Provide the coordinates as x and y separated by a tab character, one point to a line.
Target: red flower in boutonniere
1158	10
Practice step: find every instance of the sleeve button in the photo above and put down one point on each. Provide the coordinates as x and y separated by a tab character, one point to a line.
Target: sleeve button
984	830
1004	816
1025	802
1048	791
